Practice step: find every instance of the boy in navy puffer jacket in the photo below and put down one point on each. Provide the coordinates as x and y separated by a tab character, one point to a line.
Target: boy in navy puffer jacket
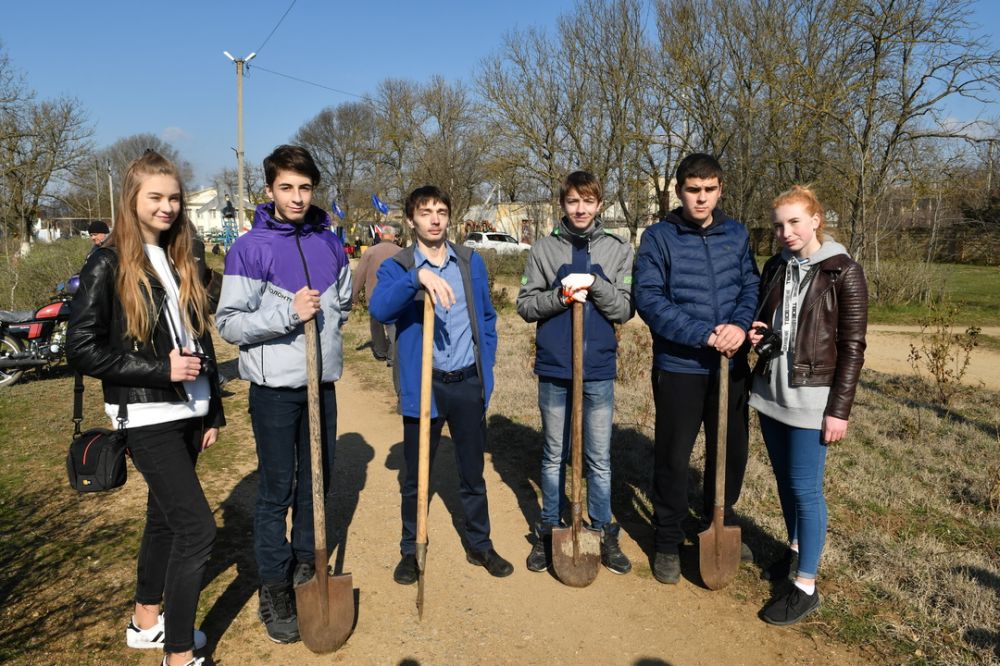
695	286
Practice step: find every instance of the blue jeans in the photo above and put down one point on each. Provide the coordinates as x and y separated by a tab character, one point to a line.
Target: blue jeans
798	457
280	418
554	403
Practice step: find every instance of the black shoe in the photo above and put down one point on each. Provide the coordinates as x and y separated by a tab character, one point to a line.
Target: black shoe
790	607
783	568
667	568
746	555
540	556
406	571
303	572
491	561
277	612
612	556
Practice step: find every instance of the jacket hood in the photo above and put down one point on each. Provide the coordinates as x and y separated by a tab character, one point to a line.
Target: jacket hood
316	219
566	229
676	217
829	248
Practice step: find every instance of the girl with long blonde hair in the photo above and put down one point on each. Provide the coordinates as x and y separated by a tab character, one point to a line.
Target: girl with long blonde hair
139	323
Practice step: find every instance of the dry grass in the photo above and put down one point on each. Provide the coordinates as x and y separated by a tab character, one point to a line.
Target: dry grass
911	572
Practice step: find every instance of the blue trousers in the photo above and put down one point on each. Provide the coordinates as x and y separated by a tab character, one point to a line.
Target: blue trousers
555	403
280	418
798	457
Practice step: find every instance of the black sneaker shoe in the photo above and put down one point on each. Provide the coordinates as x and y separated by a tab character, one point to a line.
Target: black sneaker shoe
303	572
783	568
491	561
790	607
667	568
406	571
612	556
277	612
540	557
746	555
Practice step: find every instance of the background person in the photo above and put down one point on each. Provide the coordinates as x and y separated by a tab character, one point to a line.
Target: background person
366	278
140	311
815	299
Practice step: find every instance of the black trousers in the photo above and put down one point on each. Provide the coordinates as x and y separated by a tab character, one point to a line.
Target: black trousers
180	527
461	405
685	403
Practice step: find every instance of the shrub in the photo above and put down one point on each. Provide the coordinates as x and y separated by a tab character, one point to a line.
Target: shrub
942	353
902	282
26	281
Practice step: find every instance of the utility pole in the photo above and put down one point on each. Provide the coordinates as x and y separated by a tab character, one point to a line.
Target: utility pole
240	189
111	194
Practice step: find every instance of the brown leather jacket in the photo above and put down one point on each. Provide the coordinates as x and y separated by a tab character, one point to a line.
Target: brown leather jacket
830	341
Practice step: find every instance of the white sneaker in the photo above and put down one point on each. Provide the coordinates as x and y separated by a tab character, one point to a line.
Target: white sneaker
152	638
197	661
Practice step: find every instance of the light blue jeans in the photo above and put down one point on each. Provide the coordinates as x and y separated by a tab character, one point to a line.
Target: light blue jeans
798	456
554	398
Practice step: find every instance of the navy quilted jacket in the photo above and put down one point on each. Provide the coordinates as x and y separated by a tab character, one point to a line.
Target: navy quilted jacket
687	280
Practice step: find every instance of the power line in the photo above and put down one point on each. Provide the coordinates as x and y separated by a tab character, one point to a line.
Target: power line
276	26
312	83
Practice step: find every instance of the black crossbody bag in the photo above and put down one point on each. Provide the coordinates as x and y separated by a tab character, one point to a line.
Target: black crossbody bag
96	458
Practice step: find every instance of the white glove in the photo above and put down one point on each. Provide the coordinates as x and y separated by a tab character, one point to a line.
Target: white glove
577	281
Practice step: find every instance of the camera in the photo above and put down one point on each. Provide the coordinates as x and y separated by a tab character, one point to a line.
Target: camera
769	346
207	362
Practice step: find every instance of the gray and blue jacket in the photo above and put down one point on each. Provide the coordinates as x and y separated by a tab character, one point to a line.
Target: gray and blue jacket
264	269
565	251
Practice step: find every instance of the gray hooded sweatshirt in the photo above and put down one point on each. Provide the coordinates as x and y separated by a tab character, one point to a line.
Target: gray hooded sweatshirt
796	406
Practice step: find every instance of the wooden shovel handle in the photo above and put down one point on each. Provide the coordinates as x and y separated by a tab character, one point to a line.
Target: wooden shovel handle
576	416
424	452
723	433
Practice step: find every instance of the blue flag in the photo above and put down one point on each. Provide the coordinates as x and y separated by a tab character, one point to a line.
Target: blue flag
379	205
336	209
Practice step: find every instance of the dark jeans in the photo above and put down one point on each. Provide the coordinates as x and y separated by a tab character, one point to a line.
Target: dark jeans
683	404
461	405
280	418
180	527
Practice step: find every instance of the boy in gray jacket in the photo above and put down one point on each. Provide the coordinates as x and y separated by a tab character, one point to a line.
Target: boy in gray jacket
580	261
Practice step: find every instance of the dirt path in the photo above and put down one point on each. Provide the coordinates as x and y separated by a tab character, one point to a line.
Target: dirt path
471	618
889	347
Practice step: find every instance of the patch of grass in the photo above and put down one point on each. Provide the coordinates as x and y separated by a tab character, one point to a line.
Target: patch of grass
975	290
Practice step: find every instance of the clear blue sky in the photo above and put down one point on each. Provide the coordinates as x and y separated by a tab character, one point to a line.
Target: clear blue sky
158	66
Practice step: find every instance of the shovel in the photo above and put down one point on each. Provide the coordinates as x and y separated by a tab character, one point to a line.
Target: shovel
576	550
324	603
424	452
719	545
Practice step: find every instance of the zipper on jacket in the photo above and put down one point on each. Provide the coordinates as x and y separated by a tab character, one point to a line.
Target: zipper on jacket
711	275
263	377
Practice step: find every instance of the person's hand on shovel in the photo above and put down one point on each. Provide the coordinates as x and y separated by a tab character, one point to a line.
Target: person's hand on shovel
439	289
727	339
576	286
306	303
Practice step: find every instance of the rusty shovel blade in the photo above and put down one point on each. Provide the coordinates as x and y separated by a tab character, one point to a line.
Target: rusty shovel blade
326	616
576	564
719	553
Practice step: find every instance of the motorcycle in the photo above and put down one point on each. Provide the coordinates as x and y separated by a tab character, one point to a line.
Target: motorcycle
35	338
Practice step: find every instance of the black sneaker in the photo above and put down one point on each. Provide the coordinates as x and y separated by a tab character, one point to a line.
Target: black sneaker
790	607
303	572
491	561
612	556
406	571
540	556
277	612
667	568
783	568
746	555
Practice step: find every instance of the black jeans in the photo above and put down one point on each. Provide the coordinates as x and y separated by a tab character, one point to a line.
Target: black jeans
280	418
180	527
683	404
461	405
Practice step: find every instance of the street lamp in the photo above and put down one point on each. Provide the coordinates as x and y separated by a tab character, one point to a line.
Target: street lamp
240	191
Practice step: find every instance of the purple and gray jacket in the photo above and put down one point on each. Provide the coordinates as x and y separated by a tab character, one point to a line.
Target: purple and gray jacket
264	269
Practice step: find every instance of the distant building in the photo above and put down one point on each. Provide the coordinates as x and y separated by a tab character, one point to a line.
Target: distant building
204	209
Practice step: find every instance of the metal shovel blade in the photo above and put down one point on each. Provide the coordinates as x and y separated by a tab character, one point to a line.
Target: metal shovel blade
719	554
326	616
576	564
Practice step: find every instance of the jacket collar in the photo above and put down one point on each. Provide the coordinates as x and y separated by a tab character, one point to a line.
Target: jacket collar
685	227
316	220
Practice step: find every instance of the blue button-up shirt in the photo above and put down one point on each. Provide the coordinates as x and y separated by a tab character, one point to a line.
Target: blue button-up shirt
452	328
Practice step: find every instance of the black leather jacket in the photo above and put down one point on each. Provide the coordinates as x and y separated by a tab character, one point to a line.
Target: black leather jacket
96	344
830	342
